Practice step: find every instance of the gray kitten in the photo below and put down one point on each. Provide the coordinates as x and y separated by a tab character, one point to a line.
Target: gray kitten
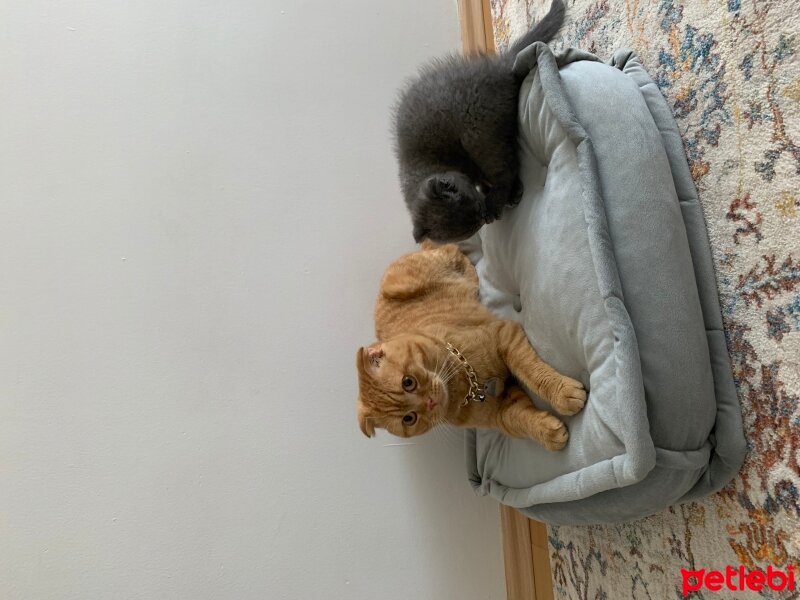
456	138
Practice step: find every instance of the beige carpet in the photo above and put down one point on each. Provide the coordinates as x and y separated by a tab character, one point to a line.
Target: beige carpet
730	70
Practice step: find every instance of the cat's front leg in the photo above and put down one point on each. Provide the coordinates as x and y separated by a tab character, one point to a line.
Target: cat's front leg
518	417
563	393
498	198
515	415
495	202
498	164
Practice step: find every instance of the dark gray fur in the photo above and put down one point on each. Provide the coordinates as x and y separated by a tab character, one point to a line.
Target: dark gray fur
456	138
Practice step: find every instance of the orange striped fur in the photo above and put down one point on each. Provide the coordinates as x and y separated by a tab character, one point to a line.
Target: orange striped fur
409	382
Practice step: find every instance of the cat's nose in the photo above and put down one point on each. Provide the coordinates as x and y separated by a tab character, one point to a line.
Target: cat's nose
431	404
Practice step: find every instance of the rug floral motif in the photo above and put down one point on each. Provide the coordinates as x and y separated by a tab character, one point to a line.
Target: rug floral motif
730	71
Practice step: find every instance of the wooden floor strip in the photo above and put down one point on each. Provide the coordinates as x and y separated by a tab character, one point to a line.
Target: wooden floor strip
517	555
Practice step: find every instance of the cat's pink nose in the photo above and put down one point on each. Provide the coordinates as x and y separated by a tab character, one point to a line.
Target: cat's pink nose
431	403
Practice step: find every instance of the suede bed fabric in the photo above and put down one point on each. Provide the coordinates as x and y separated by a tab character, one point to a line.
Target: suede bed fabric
606	264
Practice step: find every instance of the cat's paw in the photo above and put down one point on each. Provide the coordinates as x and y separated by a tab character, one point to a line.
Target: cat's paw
516	193
570	397
494	205
551	433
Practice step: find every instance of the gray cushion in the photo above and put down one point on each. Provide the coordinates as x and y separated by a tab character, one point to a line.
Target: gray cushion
606	263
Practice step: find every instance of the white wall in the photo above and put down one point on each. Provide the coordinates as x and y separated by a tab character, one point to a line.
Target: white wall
198	199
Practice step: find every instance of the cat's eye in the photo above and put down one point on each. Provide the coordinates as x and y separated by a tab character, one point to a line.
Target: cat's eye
410	418
409	383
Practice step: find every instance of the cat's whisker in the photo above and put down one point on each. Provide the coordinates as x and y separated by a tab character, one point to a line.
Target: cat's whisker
448	360
445	377
438	360
444	432
457	435
450	369
444	368
439	423
442	437
452	373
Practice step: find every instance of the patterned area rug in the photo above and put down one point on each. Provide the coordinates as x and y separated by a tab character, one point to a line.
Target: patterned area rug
730	70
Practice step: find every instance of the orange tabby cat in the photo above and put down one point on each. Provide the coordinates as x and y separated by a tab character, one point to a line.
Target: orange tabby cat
409	381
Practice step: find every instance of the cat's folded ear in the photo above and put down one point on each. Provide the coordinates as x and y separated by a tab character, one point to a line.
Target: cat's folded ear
438	185
373	355
365	420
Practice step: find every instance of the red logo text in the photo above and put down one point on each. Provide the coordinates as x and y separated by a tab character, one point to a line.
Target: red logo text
737	580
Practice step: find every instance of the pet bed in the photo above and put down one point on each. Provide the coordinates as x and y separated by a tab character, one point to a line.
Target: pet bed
606	264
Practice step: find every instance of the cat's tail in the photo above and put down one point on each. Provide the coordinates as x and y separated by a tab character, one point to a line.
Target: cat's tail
544	31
